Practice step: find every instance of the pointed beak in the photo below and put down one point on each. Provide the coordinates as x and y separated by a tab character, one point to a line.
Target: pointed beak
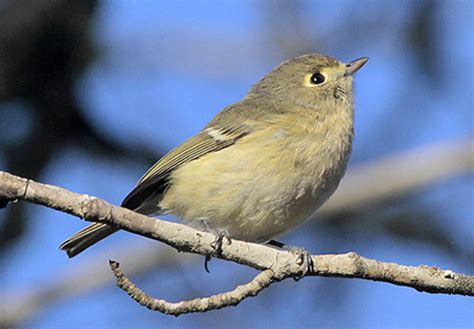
355	66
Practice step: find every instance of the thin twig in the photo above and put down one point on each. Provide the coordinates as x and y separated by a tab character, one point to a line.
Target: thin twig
230	298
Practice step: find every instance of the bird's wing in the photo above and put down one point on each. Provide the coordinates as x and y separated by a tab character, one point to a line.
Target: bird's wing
156	179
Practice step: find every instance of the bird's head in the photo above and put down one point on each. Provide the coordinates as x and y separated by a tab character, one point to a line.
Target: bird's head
311	80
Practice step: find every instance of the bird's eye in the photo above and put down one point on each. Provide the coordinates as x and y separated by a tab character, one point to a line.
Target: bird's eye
317	78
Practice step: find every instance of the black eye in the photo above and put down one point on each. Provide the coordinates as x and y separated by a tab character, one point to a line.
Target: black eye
317	78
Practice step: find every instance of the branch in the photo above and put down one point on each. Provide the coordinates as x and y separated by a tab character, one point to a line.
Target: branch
183	238
231	298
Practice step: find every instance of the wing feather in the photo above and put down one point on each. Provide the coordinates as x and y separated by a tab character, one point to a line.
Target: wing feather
154	182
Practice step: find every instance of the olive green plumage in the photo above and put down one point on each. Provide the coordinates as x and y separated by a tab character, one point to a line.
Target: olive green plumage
263	165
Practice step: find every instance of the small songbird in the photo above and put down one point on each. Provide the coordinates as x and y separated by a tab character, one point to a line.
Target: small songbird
263	165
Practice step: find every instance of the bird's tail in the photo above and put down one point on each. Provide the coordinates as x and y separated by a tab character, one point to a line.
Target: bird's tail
141	200
86	238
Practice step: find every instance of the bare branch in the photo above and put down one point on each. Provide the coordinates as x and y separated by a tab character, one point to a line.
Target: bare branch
231	298
282	264
422	278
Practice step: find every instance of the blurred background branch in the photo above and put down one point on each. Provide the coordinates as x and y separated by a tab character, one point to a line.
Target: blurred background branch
371	185
84	277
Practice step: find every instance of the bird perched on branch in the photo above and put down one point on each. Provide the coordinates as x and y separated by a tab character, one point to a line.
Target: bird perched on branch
263	165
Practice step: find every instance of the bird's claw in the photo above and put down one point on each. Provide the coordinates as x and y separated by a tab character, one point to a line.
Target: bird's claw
207	259
303	259
218	241
217	246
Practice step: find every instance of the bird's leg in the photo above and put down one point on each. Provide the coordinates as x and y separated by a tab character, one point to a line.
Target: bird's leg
303	257
217	243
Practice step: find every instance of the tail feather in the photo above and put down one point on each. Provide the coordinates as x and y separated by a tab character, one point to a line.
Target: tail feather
97	231
86	238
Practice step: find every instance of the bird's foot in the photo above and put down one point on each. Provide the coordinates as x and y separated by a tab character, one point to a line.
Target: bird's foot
303	257
217	246
219	240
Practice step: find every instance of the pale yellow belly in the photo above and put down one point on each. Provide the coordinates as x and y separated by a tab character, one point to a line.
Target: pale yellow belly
257	189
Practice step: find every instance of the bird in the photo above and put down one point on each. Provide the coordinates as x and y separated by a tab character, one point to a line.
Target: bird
262	166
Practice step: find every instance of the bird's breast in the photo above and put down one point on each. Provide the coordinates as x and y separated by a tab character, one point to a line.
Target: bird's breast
266	184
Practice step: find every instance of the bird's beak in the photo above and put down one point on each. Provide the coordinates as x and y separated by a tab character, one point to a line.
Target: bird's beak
355	65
